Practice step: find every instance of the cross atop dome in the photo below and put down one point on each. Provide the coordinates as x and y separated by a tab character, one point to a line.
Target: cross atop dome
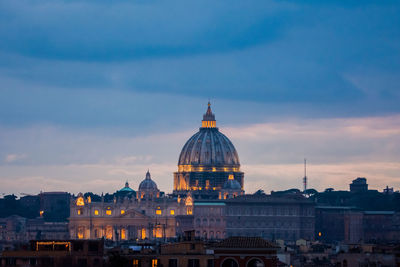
208	119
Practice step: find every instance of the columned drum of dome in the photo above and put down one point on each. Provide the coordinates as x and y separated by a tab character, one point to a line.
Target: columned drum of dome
206	160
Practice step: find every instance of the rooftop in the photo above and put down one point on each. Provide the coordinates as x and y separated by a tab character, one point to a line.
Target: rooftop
244	242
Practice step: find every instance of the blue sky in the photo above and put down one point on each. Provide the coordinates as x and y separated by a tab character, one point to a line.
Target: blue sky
99	91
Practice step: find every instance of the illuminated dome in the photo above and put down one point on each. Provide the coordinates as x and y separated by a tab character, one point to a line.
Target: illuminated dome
147	184
209	147
206	161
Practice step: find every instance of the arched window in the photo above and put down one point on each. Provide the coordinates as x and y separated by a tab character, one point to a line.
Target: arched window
230	263
81	232
109	232
255	263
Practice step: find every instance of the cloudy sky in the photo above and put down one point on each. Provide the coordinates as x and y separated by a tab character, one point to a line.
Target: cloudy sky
94	93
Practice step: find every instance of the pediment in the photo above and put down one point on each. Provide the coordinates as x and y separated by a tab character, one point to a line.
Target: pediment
133	213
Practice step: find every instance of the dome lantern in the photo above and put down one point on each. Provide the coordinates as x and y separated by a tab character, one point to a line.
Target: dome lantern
208	119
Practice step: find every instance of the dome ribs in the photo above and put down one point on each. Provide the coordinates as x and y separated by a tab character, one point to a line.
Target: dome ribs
209	147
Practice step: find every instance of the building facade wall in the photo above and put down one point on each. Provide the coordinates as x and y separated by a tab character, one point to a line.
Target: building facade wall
126	220
288	220
209	220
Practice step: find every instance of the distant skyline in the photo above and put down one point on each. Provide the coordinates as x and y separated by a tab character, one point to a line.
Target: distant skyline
95	93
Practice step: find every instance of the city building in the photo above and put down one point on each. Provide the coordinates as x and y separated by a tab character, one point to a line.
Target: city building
338	223
245	252
359	185
206	162
12	228
189	252
207	197
209	219
57	253
285	217
352	225
39	229
148	216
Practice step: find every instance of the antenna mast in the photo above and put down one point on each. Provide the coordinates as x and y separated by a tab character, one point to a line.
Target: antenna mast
305	175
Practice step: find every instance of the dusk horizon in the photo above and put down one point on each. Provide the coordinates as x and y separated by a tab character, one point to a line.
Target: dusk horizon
93	94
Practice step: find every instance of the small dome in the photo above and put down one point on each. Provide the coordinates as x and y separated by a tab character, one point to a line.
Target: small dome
232	185
147	183
126	188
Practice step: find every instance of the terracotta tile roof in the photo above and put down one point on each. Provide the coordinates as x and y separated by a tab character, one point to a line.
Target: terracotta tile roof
244	242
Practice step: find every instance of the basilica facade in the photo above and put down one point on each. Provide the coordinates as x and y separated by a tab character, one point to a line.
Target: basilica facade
144	214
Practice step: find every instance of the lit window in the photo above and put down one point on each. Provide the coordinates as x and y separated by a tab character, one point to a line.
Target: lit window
109	232
143	233
80	232
80	212
123	234
108	212
189	211
96	212
80	201
154	263
172	212
41	213
157	232
122	212
135	263
158	212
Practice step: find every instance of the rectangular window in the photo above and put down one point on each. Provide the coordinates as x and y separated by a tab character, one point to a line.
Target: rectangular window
108	212
136	263
172	263
210	263
154	263
123	234
80	212
122	212
143	235
172	212
189	210
96	212
158	212
194	263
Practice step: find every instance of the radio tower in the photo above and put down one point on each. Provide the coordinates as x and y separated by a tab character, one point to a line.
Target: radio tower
305	176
